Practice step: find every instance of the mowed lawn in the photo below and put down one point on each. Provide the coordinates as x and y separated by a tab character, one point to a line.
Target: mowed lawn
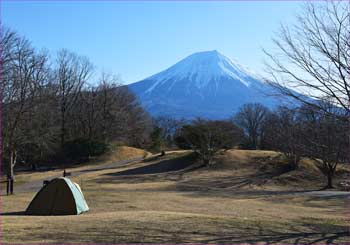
242	199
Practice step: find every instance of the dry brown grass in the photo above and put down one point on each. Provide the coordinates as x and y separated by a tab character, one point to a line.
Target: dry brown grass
200	206
118	153
123	153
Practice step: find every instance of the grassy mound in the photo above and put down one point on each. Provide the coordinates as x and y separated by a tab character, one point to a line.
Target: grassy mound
125	152
268	170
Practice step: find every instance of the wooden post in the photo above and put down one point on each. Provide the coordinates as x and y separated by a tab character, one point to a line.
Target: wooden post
11	186
7	186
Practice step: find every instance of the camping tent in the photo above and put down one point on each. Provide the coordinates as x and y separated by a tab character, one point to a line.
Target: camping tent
60	196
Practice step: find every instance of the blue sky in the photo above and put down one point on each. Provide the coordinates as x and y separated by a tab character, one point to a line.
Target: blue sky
137	39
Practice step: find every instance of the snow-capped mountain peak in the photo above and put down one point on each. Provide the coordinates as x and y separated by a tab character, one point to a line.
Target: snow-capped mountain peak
204	84
201	68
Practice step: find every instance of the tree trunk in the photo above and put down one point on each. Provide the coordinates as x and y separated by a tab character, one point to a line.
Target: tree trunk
206	161
10	171
253	142
329	180
295	161
13	157
63	129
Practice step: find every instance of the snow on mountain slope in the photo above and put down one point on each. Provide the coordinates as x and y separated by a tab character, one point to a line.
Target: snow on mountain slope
201	68
205	84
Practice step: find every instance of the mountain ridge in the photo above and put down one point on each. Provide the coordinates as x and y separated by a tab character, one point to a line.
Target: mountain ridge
204	84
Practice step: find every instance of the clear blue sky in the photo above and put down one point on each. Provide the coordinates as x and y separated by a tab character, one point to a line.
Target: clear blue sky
137	39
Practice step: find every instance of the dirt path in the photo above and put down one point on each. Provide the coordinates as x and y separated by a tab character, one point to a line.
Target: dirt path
37	184
329	193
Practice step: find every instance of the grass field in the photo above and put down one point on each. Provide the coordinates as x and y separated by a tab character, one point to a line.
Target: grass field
117	153
247	197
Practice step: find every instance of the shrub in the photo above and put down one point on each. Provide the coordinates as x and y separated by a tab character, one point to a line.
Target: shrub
82	149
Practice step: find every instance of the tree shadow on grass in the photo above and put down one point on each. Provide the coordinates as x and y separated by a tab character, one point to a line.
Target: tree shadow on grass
319	233
292	238
164	166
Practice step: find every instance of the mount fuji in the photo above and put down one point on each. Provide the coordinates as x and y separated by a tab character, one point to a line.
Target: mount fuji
204	84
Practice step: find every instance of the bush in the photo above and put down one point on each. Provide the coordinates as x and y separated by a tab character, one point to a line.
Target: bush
207	137
82	149
181	142
157	141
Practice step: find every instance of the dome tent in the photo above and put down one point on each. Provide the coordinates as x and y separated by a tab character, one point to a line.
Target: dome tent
60	196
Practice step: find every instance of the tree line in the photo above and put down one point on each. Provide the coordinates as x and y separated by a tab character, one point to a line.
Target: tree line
317	133
55	111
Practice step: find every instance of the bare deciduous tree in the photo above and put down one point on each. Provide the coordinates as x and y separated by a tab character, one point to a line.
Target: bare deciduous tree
314	55
325	137
168	126
108	112
208	137
23	70
284	133
250	118
71	75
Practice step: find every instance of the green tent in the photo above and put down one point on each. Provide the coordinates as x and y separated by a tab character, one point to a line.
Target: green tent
60	196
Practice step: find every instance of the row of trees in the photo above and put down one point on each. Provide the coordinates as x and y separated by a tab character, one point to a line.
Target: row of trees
318	133
51	105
